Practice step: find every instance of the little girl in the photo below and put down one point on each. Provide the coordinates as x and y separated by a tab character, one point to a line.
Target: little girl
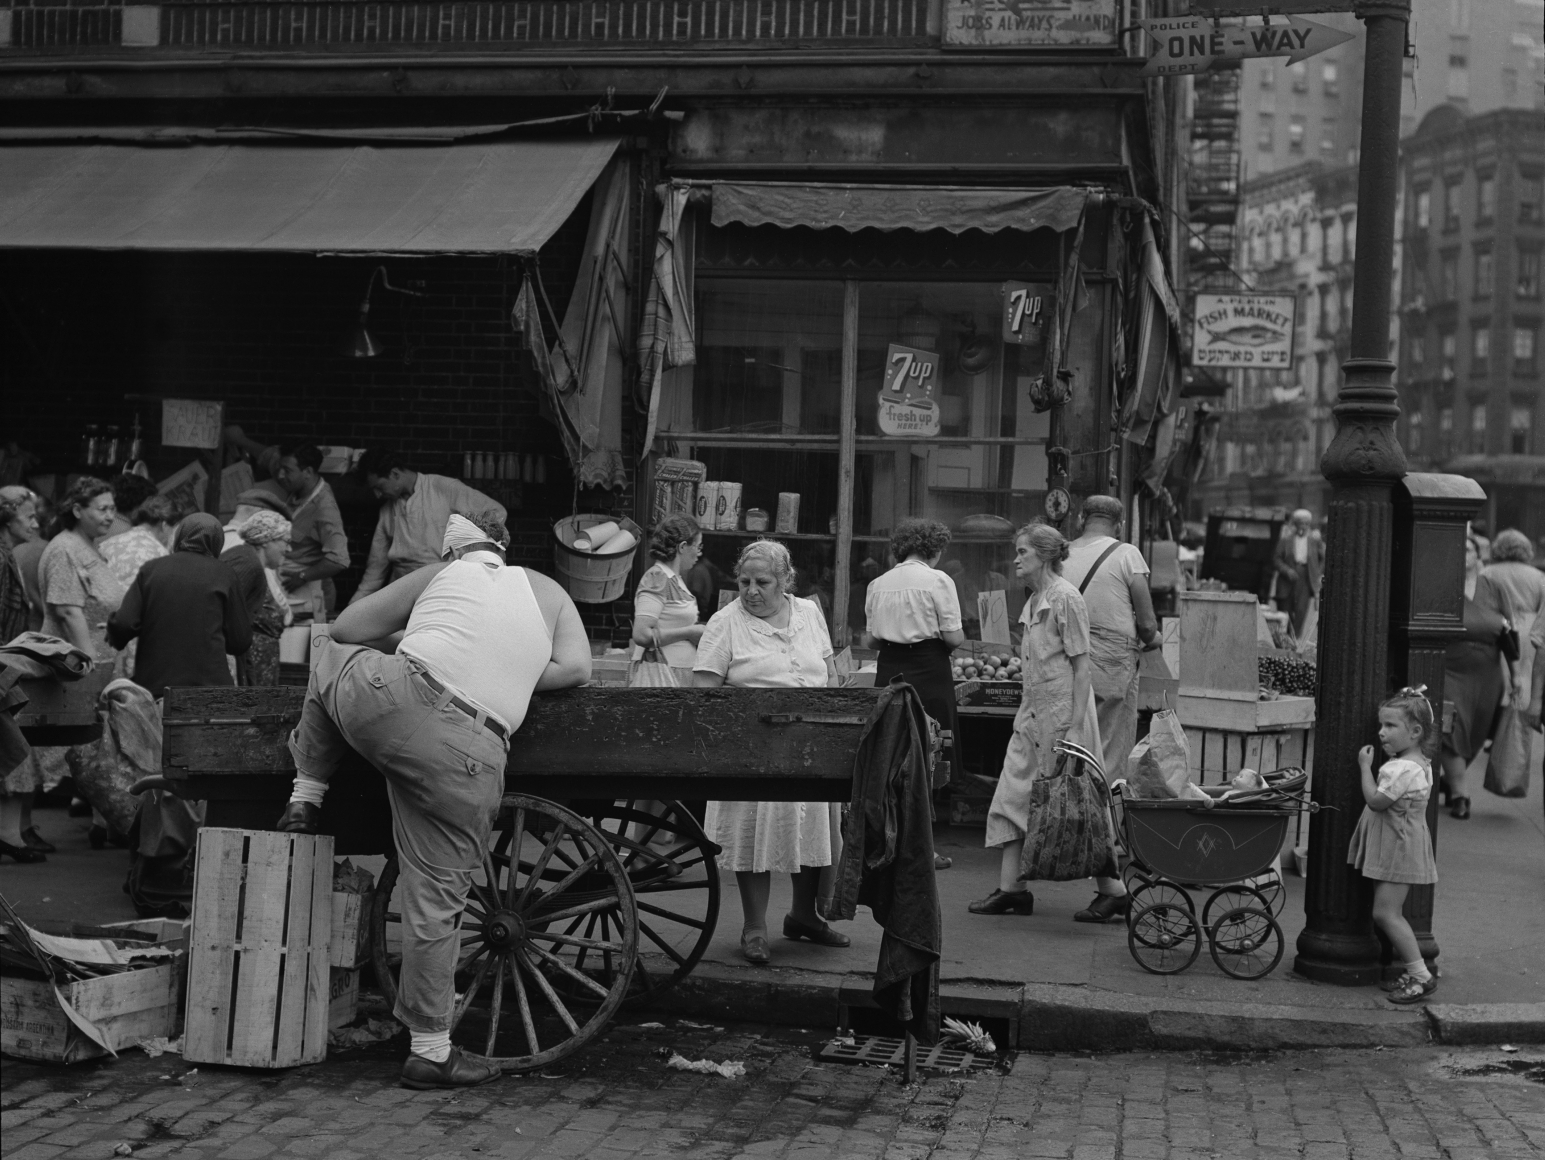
1391	844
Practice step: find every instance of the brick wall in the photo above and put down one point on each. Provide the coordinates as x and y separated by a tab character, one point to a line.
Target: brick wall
81	332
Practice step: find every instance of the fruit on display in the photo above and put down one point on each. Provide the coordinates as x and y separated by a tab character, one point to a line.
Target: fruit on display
991	667
1287	676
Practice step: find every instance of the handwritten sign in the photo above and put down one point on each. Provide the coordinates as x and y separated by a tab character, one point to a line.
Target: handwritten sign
191	423
907	404
1029	23
1243	330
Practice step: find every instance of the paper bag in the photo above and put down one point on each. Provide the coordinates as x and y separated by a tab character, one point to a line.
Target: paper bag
1160	765
1507	771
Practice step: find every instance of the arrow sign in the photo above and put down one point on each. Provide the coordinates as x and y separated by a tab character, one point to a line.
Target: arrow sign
1190	44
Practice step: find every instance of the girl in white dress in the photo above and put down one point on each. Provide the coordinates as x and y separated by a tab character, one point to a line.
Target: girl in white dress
770	639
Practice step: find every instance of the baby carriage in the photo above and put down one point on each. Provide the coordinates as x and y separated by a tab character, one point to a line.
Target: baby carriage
1225	845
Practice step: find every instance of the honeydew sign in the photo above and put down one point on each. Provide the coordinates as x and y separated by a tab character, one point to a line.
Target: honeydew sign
1243	330
1028	23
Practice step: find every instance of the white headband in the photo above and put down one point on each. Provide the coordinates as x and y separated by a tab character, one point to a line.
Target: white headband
460	532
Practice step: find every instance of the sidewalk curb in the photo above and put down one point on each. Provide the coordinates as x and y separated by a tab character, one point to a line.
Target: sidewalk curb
1055	1017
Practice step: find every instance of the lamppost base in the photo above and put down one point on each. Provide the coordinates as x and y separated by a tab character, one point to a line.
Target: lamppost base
1345	960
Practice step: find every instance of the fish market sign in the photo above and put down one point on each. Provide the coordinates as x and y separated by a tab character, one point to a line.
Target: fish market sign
1029	23
1243	330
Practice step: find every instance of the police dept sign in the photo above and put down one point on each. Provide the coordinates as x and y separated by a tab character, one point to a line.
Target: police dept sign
1018	23
1243	330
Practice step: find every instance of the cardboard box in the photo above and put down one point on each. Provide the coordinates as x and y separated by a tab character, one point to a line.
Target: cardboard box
342	996
351	930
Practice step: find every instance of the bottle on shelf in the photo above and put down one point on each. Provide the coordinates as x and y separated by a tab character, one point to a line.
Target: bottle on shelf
88	445
466	465
136	444
113	445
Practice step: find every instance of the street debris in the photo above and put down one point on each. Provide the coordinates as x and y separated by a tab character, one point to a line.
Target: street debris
158	1045
972	1035
123	1150
371	1031
729	1069
650	1026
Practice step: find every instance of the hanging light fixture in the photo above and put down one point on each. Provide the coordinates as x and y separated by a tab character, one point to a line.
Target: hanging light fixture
361	343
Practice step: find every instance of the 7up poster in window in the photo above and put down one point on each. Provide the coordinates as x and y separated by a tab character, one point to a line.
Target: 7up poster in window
908	403
1244	330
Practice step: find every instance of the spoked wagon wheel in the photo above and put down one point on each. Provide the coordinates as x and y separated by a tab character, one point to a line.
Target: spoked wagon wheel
1164	938
1227	898
1246	943
519	965
670	862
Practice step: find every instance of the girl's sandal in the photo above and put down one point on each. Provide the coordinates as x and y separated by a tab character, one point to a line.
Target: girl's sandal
1413	990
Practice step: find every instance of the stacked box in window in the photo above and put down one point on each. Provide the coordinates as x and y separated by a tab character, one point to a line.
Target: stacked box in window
676	483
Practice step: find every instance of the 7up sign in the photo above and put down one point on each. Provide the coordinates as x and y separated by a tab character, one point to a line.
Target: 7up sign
1189	44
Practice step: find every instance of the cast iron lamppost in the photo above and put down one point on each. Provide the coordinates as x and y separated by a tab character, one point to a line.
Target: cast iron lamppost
1363	464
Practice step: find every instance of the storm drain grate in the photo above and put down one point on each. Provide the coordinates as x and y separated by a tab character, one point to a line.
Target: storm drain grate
890	1052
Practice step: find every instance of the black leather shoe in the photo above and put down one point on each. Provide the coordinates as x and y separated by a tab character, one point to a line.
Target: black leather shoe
1105	908
461	1070
1459	807
22	853
37	842
1005	902
302	818
754	948
822	935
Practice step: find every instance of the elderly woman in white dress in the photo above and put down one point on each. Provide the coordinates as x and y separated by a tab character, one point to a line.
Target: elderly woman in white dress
770	639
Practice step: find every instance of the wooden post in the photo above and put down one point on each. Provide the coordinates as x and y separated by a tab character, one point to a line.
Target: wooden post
847	445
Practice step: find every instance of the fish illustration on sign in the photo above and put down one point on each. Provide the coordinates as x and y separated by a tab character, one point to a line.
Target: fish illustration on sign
1255	334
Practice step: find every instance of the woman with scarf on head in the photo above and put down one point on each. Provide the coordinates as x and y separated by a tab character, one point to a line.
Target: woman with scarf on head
187	612
265	537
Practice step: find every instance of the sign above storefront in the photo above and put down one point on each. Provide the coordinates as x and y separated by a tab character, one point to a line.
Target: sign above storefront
1030	23
1026	309
1244	330
907	400
1192	44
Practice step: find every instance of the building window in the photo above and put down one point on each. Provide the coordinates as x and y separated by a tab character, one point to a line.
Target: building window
1451	204
1417	353
1263	132
1485	197
1448	347
1330	76
1477	428
1423	208
1459	67
1528	274
1274	243
1480	348
1524	344
1445	432
1296	134
1484	270
1257	248
1448	277
1529	197
1520	424
1414	431
1300	74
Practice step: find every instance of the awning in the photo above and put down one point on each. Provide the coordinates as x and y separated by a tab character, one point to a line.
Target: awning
467	198
896	207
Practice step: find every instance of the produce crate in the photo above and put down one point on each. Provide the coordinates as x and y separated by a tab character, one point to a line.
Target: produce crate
342	996
978	691
350	945
125	1007
258	989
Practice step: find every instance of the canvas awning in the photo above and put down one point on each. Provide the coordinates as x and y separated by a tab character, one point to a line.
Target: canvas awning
896	207
477	197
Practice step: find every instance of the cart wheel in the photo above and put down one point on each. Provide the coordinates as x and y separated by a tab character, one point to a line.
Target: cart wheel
670	862
1246	943
545	872
1156	890
1232	897
1164	938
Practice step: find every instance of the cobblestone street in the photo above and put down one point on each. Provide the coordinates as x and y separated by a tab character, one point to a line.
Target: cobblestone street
618	1100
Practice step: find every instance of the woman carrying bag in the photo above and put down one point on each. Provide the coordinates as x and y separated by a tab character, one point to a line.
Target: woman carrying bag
1057	705
664	609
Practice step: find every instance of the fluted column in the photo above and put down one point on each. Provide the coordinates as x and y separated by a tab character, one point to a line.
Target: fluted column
1362	463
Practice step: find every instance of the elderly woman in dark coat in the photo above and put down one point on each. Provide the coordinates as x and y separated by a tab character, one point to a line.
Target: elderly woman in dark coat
265	538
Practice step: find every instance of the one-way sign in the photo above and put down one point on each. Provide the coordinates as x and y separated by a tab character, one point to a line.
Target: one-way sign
1190	44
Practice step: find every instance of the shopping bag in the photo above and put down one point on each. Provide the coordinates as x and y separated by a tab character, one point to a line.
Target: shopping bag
651	671
1507	772
1069	832
1160	765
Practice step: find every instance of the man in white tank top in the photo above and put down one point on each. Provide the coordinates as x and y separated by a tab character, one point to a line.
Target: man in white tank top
435	718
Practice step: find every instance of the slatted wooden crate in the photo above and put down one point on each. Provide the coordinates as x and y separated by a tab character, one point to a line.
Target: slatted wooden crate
258	986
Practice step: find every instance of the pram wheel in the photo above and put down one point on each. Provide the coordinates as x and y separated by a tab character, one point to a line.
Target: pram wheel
1164	938
1269	886
1246	943
1152	891
1235	897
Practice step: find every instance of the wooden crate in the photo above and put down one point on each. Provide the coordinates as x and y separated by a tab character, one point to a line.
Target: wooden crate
350	945
1239	716
342	996
1218	754
125	1007
261	932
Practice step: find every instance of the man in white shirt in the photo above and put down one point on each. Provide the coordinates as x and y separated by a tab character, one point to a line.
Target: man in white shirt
414	510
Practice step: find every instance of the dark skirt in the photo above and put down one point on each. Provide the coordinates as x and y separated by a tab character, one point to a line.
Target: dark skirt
1472	681
926	667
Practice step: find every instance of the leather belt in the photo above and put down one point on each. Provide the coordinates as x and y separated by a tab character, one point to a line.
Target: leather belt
468	708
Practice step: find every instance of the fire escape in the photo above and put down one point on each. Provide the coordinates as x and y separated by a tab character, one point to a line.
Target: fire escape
1213	189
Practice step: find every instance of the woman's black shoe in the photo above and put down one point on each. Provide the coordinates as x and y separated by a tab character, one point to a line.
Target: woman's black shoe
1005	902
22	853
1459	807
36	841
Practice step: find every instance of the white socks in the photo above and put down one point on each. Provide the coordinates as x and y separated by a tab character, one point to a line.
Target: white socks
308	790
434	1046
1418	970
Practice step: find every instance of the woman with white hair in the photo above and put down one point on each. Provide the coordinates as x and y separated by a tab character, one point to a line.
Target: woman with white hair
265	538
1300	564
770	639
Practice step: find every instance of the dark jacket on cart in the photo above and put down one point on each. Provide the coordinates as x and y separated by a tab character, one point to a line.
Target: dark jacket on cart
887	859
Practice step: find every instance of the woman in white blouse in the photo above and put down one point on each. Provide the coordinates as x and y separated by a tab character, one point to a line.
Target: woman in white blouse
664	609
770	639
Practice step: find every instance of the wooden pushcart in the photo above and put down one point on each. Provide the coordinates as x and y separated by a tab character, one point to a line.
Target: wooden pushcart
599	886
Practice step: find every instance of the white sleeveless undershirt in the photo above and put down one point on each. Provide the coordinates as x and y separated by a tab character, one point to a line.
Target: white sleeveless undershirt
478	629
